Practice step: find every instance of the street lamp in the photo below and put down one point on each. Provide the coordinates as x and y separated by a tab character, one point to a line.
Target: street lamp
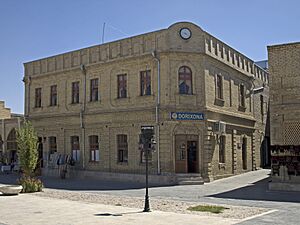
146	142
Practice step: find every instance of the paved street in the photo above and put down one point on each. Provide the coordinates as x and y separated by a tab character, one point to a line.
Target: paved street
33	210
248	189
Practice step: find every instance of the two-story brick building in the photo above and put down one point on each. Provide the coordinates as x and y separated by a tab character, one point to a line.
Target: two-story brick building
207	102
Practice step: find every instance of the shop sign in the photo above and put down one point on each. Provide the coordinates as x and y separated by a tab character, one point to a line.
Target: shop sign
186	116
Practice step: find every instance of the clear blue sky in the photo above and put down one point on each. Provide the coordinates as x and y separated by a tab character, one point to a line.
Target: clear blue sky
33	29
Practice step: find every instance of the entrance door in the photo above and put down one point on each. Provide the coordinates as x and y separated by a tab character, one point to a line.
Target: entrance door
192	156
244	153
186	154
40	151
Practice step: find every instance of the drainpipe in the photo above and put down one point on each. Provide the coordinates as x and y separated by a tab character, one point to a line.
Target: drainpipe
82	110
27	81
154	54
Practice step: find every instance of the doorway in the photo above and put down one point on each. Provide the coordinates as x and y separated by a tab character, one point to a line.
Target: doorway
186	154
192	156
40	152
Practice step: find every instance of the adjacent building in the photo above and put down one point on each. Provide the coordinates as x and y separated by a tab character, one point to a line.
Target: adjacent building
207	101
8	126
284	67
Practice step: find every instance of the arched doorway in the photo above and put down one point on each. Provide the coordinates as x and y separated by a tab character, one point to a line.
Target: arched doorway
12	146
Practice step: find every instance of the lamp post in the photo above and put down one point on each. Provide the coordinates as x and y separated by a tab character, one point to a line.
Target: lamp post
146	139
147	205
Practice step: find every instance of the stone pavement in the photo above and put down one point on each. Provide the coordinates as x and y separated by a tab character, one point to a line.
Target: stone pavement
28	209
249	189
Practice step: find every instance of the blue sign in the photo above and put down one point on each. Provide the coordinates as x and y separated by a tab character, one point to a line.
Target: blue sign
186	116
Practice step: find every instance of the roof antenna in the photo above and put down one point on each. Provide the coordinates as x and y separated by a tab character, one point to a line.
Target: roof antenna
103	32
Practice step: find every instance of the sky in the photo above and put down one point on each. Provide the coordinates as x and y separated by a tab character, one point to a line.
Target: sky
34	29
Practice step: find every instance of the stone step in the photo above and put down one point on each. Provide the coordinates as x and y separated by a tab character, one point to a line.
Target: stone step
189	179
188	174
191	182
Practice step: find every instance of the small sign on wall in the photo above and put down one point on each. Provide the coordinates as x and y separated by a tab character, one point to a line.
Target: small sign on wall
186	116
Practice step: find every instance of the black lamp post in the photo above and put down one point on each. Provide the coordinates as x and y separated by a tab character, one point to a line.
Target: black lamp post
145	140
147	205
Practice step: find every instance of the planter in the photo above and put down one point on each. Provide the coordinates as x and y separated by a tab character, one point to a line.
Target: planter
10	189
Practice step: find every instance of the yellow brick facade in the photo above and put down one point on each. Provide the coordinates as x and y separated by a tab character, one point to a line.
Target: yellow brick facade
285	93
9	123
206	57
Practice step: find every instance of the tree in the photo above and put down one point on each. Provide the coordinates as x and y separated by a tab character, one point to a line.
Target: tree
27	148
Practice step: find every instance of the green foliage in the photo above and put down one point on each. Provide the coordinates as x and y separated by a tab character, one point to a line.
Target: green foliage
30	184
27	148
208	208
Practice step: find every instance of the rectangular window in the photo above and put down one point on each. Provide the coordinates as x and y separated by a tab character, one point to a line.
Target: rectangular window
75	148
145	82
75	92
222	51
52	145
94	148
242	96
38	97
262	105
215	47
232	57
94	90
53	95
219	86
122	86
122	148
222	149
262	111
237	60
227	54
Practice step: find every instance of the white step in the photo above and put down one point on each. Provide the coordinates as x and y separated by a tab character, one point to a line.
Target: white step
189	179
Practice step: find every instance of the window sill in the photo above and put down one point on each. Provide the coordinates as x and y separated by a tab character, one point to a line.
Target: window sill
219	102
186	94
93	102
222	166
145	96
242	108
53	106
122	163
122	98
144	163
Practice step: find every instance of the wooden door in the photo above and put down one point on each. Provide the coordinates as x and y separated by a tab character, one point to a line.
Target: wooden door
180	154
186	154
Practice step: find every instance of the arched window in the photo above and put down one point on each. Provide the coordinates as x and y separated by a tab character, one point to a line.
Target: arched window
185	80
12	140
12	146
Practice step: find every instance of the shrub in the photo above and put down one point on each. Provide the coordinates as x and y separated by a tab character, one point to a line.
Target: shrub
27	148
31	184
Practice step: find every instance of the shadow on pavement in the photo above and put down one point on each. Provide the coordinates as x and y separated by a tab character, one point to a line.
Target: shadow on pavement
259	191
78	184
117	214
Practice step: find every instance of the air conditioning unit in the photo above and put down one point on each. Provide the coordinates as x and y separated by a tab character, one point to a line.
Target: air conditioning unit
220	127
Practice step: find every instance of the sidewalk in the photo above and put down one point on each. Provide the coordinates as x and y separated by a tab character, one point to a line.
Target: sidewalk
31	209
